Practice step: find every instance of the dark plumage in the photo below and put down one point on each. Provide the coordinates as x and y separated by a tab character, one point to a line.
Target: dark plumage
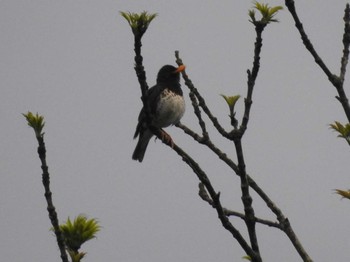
167	106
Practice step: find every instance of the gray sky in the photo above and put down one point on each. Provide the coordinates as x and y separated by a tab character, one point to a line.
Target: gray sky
72	61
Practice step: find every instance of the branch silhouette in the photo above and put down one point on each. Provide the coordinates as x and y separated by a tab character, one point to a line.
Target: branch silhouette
336	81
37	123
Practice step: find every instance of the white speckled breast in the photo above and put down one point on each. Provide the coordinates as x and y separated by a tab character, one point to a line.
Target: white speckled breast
171	107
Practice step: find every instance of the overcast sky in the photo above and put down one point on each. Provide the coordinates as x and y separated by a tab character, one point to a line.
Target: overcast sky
72	61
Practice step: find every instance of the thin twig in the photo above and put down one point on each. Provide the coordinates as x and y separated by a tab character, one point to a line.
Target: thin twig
197	112
204	195
223	156
336	81
344	61
284	222
252	75
257	220
48	196
141	76
201	101
346	43
291	7
216	200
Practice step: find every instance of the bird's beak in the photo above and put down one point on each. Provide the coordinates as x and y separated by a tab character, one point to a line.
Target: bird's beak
180	69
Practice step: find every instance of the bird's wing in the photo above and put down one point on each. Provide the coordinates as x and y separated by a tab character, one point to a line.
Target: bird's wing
153	97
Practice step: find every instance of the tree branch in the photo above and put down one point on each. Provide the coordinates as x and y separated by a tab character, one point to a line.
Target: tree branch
204	195
216	202
48	196
141	76
336	81
252	75
283	225
344	61
284	222
201	101
346	43
209	144
291	7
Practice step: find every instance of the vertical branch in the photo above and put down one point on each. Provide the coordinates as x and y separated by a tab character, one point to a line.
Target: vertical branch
139	24
237	139
37	123
252	75
346	43
48	196
342	98
140	71
246	198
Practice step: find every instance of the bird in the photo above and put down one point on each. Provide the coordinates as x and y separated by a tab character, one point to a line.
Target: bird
166	105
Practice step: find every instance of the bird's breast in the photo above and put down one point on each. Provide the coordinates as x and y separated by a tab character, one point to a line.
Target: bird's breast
170	109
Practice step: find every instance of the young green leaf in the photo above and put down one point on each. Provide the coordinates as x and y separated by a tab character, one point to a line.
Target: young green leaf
267	13
138	22
75	256
36	122
344	131
343	193
79	231
231	101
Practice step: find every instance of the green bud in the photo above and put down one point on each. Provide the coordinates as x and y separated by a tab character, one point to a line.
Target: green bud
36	122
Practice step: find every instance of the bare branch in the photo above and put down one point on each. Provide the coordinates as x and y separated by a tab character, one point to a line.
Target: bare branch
284	222
291	7
252	75
336	81
201	101
216	200
204	195
223	156
346	43
48	195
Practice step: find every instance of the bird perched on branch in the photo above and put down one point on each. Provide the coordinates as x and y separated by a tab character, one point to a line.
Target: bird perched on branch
166	105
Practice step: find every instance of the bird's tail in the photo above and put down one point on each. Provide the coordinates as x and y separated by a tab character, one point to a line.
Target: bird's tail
141	146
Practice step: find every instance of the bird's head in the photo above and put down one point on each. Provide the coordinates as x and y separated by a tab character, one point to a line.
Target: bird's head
169	73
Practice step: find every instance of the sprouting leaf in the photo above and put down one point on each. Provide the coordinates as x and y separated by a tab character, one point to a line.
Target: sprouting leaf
138	22
76	256
247	258
36	122
231	100
267	13
343	193
344	131
79	231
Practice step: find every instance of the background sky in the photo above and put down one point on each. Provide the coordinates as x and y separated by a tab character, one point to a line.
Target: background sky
72	61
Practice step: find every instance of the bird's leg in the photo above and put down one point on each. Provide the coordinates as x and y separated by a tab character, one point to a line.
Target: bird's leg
166	138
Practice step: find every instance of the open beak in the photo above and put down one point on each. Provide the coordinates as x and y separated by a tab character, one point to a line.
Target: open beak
180	69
